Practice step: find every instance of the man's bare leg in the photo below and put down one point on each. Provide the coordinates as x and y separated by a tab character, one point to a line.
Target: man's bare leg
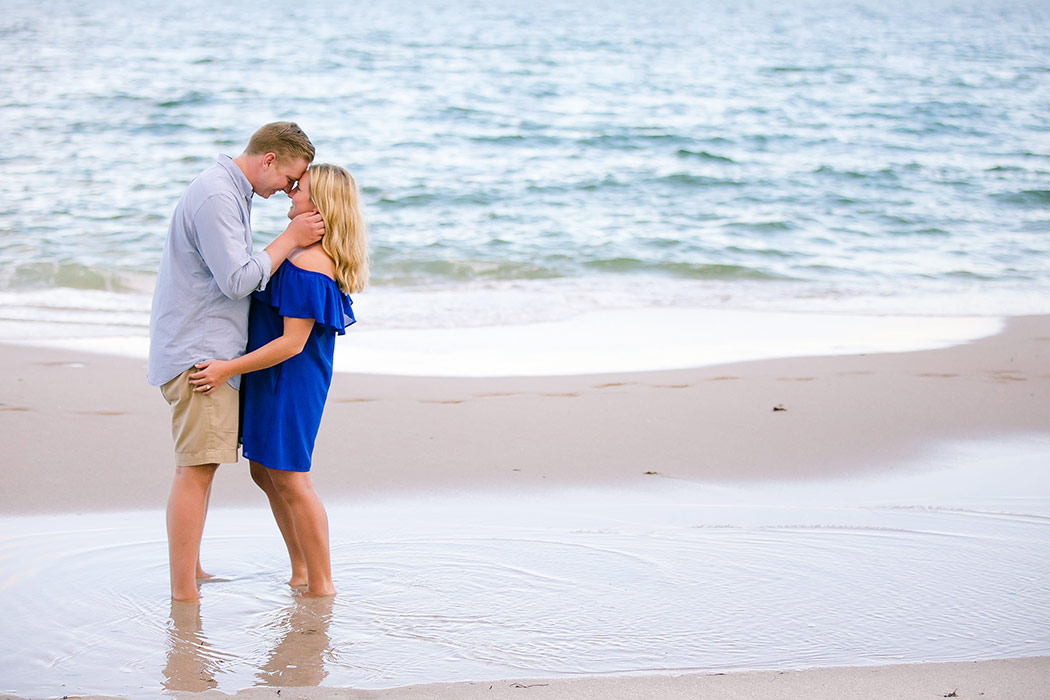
201	573
187	507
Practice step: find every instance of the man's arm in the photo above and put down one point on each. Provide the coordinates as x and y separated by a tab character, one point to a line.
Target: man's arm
305	229
214	373
220	240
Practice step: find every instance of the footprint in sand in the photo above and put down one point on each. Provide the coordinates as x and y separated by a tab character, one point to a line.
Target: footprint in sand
795	379
1003	375
355	400
723	379
446	402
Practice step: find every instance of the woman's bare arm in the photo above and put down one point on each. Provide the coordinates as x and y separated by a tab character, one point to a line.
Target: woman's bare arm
214	372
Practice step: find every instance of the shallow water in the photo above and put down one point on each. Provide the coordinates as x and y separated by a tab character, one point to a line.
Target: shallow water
947	559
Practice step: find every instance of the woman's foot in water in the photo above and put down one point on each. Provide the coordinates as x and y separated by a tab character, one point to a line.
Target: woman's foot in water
319	592
299	578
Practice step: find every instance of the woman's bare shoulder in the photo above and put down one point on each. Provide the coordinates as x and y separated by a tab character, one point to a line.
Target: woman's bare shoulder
313	258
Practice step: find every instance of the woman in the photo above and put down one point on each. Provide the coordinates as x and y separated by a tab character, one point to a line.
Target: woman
288	366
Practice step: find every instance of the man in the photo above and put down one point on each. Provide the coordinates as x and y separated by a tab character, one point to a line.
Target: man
200	312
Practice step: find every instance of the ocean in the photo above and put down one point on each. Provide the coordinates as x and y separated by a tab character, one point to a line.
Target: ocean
531	163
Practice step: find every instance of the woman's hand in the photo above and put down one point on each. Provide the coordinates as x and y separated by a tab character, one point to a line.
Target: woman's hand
212	374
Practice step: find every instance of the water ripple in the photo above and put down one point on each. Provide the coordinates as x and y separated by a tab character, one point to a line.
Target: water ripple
917	566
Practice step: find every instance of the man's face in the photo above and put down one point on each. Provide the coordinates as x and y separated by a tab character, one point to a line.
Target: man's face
279	176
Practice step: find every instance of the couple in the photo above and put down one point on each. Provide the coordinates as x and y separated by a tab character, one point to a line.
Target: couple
205	334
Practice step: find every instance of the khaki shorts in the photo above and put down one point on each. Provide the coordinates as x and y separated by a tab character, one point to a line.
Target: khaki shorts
204	427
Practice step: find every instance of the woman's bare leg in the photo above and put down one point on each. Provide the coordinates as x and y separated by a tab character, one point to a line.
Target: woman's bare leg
187	503
311	526
285	523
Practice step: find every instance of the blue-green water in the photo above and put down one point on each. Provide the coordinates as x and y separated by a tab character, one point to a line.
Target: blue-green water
870	155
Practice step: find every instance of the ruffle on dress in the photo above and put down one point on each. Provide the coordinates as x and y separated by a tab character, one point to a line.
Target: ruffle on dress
299	293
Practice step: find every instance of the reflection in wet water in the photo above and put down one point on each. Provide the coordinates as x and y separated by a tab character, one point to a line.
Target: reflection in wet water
950	562
192	665
297	658
300	655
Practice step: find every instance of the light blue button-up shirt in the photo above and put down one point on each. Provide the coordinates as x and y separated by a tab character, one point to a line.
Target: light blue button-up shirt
207	271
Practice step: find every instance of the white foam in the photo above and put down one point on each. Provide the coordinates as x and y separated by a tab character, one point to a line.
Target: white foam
642	340
623	340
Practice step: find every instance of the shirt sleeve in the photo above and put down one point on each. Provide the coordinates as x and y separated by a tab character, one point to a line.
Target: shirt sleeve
222	239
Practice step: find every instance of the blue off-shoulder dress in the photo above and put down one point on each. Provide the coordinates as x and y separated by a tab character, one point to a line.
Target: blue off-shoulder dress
281	406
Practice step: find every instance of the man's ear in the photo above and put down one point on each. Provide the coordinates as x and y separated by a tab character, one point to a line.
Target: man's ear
269	159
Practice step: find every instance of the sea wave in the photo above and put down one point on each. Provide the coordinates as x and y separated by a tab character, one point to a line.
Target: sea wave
49	275
633	141
418	271
1025	198
703	155
687	270
691	180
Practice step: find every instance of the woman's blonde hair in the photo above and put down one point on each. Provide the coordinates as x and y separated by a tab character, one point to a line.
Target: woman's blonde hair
334	193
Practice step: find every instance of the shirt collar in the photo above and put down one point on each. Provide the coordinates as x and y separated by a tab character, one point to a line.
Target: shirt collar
238	177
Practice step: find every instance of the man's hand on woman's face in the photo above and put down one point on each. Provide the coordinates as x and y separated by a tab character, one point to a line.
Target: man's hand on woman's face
306	229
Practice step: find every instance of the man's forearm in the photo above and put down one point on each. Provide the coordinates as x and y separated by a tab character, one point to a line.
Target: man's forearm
279	249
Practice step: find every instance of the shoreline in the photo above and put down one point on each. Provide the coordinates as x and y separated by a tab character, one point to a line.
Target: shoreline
1023	678
610	341
66	408
1016	679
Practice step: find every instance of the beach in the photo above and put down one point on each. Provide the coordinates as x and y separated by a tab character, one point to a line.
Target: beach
705	351
840	415
96	438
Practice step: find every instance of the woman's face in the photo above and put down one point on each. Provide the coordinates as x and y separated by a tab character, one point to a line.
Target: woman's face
300	195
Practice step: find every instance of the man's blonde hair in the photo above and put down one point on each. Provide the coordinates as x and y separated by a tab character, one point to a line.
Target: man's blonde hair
334	193
284	139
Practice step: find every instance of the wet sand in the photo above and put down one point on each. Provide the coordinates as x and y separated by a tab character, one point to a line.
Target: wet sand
82	432
1010	679
1001	679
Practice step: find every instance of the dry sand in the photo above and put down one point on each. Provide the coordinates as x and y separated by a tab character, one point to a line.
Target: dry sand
84	432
